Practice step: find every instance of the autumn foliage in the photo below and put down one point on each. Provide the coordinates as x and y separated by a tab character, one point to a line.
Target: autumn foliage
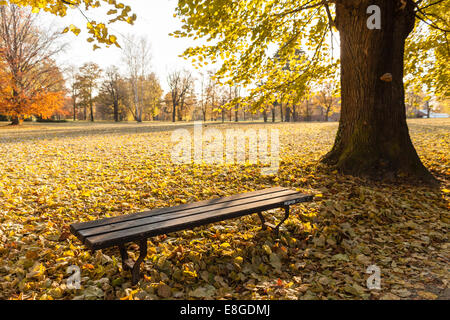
30	81
54	176
19	105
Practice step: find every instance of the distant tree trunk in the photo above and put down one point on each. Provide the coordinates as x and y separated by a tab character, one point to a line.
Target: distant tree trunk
265	115
74	110
294	113
16	121
273	114
373	137
281	112
174	111
137	107
308	111
236	114
91	107
288	114
116	111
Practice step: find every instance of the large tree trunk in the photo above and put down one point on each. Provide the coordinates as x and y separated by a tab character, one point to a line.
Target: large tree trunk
373	138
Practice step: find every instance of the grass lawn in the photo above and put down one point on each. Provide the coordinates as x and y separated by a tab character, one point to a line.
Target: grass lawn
52	175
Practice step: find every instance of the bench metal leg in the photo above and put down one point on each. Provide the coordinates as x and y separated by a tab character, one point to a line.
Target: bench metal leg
263	221
125	258
277	227
286	216
135	267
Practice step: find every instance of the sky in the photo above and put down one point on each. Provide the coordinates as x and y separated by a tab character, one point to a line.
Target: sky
154	20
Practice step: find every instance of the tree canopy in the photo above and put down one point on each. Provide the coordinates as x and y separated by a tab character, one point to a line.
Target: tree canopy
98	31
428	50
30	81
243	36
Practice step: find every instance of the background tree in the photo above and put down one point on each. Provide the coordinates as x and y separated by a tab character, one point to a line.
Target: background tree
137	58
413	102
87	82
203	104
427	51
180	84
32	83
212	94
112	92
72	84
307	106
186	103
327	98
152	93
373	135
97	30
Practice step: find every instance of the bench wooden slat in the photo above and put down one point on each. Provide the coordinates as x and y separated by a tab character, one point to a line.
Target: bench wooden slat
84	233
163	227
106	221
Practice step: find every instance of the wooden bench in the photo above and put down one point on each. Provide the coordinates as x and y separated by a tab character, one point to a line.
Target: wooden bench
138	227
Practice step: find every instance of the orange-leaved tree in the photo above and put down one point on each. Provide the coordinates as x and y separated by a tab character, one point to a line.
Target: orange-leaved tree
30	82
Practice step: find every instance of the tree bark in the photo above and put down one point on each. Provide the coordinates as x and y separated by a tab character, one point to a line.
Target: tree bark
373	138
